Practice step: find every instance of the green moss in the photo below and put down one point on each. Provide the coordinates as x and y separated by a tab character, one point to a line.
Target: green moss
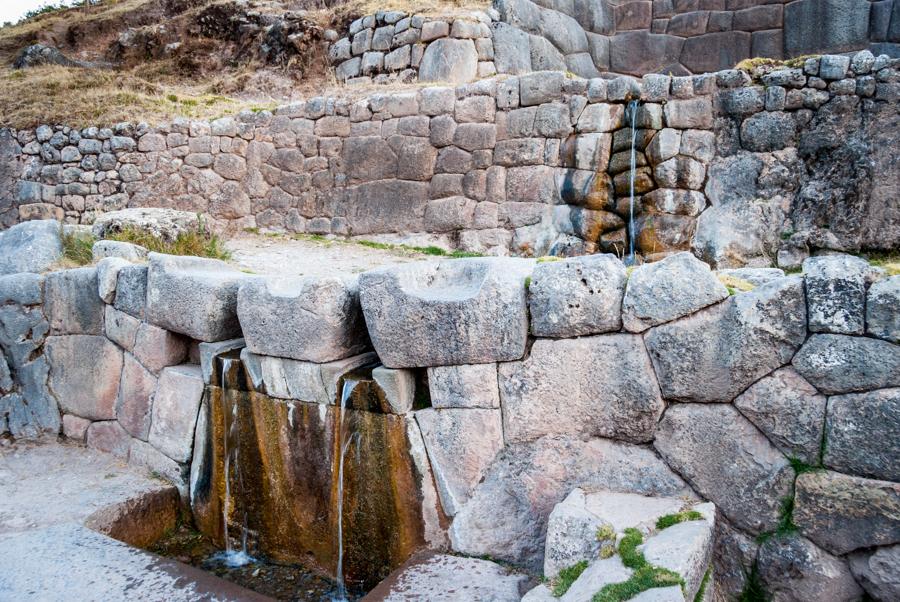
753	588
606	533
78	248
527	282
628	549
548	259
785	524
801	467
645	576
701	591
567	577
664	522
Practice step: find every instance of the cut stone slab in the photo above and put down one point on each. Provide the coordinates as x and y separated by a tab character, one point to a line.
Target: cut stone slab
715	354
449	60
399	387
175	409
577	297
166	224
107	277
556	390
685	548
464	311
131	290
156	348
527	480
878	572
663	594
71	302
882	314
793	568
789	410
136	391
446	578
30	247
309	319
836	293
842	513
194	296
461	444
304	381
845	364
120	328
209	352
84	374
862	432
114	248
727	461
469	386
666	290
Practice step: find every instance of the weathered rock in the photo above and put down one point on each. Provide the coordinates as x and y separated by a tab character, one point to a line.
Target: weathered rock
528	480
175	409
474	307
576	297
842	513
512	50
836	293
685	548
398	386
75	428
311	319
713	355
768	131
194	296
666	290
84	374
789	410
735	554
209	352
107	277
556	390
728	461
862	432
467	386
30	247
71	302
812	26
461	444
597	575
449	60
109	436
37	55
792	568
131	290
878	572
166	224
292	379
114	248
144	454
135	398
843	364
882	316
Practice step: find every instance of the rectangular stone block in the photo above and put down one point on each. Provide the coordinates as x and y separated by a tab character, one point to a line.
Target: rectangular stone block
71	302
175	408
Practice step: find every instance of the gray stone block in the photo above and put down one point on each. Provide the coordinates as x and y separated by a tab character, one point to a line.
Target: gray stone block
71	302
816	26
836	293
209	352
467	386
846	364
883	309
877	572
30	247
449	60
175	409
131	290
862	432
84	374
794	568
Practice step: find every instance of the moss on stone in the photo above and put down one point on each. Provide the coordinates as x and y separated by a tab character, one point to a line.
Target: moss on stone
567	577
664	522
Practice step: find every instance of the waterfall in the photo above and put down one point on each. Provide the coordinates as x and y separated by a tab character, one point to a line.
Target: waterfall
632	113
343	446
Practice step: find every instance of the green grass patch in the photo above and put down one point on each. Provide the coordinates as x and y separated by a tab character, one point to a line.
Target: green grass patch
785	525
567	577
78	248
888	261
664	522
548	259
753	589
701	591
645	576
429	250
801	467
198	242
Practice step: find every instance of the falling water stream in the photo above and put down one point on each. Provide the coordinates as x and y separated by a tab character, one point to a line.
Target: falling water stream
344	443
632	114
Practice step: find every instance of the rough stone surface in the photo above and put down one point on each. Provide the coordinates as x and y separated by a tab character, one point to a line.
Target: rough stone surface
685	548
836	293
175	409
107	277
882	316
842	513
556	390
399	387
449	60
792	568
71	302
727	461
878	572
209	352
734	553
114	248
467	386
476	307
862	432
713	355
292	379
135	399
30	247
156	348
84	374
576	297
131	290
311	319
789	410
109	436
663	291
166	224
845	364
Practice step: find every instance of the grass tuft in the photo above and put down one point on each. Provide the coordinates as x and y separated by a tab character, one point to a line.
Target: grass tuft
753	588
605	533
735	285
800	466
889	261
78	248
645	576
198	242
701	591
664	522
567	577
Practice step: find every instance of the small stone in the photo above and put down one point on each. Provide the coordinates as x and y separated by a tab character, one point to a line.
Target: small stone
75	428
399	387
684	548
121	328
113	248
109	436
833	66
131	290
107	277
157	348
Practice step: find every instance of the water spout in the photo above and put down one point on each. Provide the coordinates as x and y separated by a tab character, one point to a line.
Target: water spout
344	445
631	113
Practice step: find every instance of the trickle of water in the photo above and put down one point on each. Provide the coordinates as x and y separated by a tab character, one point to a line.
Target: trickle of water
344	445
632	112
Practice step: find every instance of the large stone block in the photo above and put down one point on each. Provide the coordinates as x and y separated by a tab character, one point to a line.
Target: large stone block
882	315
844	364
30	246
167	224
194	296
727	461
109	436
71	302
175	409
131	290
842	513
715	51
878	572
449	60
793	568
507	515
789	410
156	348
601	386
465	311
576	297
135	400
107	277
512	50
461	444
84	374
715	354
862	432
816	26
311	319
836	293
387	206
468	386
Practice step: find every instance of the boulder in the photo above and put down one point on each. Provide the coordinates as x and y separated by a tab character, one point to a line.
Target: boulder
131	290
165	224
794	569
114	248
38	55
666	290
71	302
842	513
135	398
685	548
84	374
107	277
578	296
175	409
713	355
836	293
465	311
461	444
862	432
878	572
882	317
844	364
789	411
194	296
556	390
449	60
468	386
311	319
527	480
30	247
727	461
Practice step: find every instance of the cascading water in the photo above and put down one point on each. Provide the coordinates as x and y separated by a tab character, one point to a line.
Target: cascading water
631	113
344	443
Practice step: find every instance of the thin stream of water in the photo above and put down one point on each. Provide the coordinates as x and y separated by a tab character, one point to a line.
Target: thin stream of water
344	445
